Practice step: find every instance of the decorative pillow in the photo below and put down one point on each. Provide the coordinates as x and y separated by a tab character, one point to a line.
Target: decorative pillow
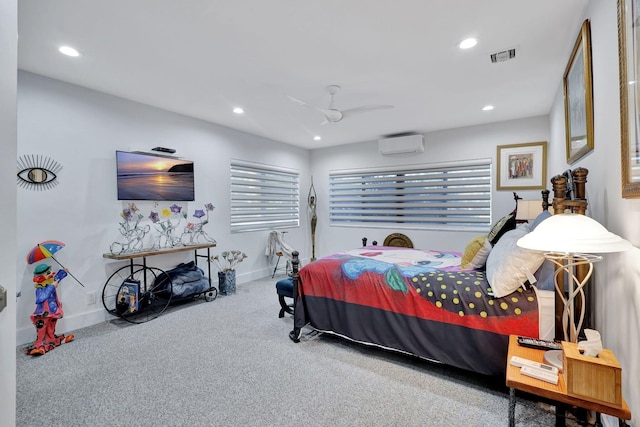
544	276
508	265
475	254
503	225
541	217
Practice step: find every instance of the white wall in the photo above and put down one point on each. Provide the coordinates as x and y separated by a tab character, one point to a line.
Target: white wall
614	288
475	142
8	145
617	282
81	129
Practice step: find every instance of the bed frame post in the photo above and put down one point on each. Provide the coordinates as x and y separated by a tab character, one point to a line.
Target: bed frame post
576	205
545	199
294	335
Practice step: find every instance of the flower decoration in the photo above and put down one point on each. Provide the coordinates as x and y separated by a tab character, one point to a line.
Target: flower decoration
194	231
166	222
228	260
153	216
130	213
132	233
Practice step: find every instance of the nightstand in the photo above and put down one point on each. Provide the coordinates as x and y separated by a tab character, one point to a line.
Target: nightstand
557	393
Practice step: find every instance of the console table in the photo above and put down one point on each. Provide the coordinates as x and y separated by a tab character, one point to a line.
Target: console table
144	254
138	293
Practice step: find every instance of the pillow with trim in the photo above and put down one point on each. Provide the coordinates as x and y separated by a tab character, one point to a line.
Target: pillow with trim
509	266
476	253
504	224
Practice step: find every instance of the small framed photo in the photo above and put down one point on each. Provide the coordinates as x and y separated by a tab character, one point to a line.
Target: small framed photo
578	98
522	166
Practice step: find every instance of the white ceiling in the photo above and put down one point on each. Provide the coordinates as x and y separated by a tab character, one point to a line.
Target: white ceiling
201	58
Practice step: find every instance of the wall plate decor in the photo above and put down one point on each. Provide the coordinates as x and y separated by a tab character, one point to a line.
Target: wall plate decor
629	54
578	97
522	166
36	172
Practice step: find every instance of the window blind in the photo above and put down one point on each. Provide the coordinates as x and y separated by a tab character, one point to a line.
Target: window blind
441	196
263	197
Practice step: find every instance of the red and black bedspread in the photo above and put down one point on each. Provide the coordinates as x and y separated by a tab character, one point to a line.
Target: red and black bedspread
414	301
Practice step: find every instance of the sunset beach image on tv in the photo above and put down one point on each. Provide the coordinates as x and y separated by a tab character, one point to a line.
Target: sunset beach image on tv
143	176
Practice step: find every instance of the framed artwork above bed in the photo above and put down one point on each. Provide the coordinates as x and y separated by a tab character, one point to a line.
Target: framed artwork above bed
522	166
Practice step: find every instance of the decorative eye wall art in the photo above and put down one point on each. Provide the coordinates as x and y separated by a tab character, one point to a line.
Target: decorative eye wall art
36	172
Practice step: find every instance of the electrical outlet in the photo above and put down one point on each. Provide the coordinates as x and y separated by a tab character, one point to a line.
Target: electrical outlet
91	298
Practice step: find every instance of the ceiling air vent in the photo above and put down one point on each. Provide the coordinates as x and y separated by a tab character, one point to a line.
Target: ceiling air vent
505	55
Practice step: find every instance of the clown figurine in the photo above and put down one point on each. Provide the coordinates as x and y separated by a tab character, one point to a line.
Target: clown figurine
48	310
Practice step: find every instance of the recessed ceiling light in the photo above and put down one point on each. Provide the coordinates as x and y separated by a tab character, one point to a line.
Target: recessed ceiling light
238	110
69	51
467	43
316	138
487	108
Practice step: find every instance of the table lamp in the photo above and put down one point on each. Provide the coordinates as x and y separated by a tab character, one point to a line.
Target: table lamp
572	240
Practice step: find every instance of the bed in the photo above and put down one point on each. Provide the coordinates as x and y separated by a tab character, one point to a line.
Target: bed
454	308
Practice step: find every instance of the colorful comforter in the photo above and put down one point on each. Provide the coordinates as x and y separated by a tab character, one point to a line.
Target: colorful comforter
414	301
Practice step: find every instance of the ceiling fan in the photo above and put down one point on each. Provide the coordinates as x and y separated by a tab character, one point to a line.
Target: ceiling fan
332	114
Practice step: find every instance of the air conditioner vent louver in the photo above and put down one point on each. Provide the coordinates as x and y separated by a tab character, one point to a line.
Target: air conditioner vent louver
505	55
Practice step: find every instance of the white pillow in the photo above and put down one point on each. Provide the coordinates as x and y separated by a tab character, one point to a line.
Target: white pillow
509	266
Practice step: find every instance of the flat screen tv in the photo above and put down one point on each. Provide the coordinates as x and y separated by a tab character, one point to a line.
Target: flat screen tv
145	176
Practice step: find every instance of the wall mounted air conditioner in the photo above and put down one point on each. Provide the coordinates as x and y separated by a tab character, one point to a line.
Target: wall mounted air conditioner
401	145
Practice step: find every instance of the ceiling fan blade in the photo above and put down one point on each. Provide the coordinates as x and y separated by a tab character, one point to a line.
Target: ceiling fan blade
363	109
324	111
298	101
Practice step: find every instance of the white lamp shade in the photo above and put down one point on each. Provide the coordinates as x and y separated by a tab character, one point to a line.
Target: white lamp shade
573	233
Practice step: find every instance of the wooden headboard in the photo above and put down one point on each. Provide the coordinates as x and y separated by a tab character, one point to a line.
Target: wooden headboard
572	183
561	183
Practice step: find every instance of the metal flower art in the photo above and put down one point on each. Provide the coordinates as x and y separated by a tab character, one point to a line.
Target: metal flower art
193	233
167	227
132	232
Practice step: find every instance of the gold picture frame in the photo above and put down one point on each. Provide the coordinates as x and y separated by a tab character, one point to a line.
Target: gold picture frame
578	97
522	166
628	54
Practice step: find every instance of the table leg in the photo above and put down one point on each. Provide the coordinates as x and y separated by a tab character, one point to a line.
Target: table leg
560	414
512	407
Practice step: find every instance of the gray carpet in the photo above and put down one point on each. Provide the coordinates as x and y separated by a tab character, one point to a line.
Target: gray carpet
229	362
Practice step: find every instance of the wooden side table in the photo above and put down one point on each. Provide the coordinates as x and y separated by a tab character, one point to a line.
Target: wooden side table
557	393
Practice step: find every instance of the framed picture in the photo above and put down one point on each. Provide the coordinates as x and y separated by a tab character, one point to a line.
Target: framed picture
578	98
522	166
629	54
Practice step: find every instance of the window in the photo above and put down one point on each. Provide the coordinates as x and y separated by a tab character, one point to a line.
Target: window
439	196
263	197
